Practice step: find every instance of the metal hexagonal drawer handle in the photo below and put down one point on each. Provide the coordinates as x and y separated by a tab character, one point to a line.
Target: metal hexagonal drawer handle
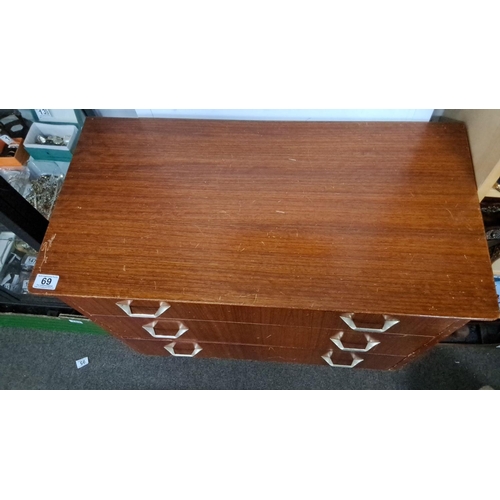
171	349
355	360
150	328
125	305
347	318
370	343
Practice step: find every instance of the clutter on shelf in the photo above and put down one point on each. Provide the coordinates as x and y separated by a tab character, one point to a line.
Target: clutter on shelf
36	147
46	141
40	190
17	260
13	124
40	184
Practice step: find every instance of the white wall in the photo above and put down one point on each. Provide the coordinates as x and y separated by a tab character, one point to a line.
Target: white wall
117	113
292	114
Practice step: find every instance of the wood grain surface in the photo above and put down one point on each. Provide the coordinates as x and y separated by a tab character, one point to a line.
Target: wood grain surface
264	353
253	334
422	350
357	217
408	325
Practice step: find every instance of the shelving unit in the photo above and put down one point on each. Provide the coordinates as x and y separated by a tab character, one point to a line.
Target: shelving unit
27	196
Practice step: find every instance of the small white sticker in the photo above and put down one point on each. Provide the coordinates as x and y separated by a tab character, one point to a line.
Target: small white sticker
82	362
30	261
6	139
46	281
42	113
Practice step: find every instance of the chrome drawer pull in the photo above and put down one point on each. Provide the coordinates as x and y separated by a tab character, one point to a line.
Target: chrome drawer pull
125	306
150	328
347	318
170	348
370	343
355	360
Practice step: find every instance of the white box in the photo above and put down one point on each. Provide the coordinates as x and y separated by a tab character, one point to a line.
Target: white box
48	129
57	115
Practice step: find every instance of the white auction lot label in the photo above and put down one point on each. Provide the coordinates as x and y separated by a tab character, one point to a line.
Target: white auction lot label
46	281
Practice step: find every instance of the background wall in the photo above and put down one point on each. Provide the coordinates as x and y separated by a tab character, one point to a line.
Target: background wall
293	114
277	114
117	113
483	128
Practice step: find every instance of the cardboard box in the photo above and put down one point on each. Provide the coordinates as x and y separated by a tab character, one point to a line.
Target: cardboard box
16	161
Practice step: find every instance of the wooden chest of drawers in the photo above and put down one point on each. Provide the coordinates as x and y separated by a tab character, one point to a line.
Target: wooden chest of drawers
345	244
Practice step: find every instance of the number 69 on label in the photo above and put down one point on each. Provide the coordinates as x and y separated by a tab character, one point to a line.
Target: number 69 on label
46	281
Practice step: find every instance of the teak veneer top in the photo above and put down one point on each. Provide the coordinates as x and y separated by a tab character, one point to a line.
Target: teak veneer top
355	217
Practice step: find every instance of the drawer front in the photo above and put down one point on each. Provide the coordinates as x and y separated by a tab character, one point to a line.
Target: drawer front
407	325
382	343
211	331
263	353
254	334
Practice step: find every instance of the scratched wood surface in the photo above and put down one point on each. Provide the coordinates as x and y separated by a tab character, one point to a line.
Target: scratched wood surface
357	217
264	353
328	320
254	334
